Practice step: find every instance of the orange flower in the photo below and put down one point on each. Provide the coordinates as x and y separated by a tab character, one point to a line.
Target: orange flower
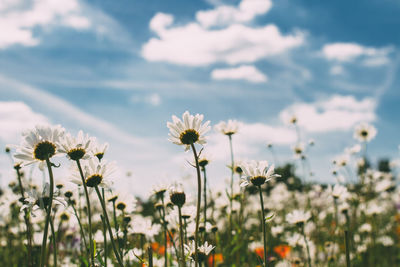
218	258
157	248
282	250
260	252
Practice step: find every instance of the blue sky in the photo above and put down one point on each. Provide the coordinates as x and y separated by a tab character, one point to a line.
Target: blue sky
120	69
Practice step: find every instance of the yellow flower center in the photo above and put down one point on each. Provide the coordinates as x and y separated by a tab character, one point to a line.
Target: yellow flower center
44	150
189	137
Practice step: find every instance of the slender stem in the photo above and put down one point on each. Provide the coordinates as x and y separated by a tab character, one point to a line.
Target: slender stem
185	228
150	251
205	203
171	238
104	232
116	226
181	237
346	237
26	219
307	247
231	193
109	228
196	235
89	212
48	213
53	238
80	224
165	232
263	226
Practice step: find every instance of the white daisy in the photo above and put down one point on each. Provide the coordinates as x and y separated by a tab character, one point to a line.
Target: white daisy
76	148
364	132
39	144
298	217
99	150
189	131
202	251
96	173
257	172
228	128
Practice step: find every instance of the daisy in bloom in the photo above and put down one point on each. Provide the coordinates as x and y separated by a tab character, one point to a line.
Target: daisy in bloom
202	251
39	144
298	217
189	130
227	128
40	200
76	148
364	132
99	150
96	173
257	172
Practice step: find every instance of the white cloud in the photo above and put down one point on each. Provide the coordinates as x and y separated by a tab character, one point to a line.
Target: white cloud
348	52
251	139
21	21
16	117
338	113
152	99
195	44
225	15
245	72
336	70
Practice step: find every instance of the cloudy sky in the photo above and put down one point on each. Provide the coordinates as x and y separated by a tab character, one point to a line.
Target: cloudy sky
120	69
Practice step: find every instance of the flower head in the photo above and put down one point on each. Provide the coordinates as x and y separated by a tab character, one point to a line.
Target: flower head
76	148
202	251
227	128
99	150
96	173
364	132
298	217
177	195
189	131
39	144
257	172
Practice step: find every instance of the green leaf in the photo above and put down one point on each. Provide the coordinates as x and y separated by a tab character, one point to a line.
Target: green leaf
269	217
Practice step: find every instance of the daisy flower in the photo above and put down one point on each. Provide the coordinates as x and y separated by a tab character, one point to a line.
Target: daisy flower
227	128
40	200
189	131
298	217
202	251
39	144
96	173
364	132
177	195
99	150
76	148
257	172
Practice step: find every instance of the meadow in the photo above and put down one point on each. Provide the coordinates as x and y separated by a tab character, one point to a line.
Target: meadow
267	215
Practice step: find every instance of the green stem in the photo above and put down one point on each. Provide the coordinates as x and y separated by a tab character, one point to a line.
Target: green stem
109	228
346	238
80	225
205	203
104	232
53	238
150	251
263	225
48	213
26	219
307	247
196	235
89	212
232	173
116	226
165	232
181	237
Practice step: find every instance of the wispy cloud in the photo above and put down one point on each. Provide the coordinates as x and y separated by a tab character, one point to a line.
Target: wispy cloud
337	113
348	52
244	72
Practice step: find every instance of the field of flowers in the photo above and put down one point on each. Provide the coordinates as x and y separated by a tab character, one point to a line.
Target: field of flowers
266	216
